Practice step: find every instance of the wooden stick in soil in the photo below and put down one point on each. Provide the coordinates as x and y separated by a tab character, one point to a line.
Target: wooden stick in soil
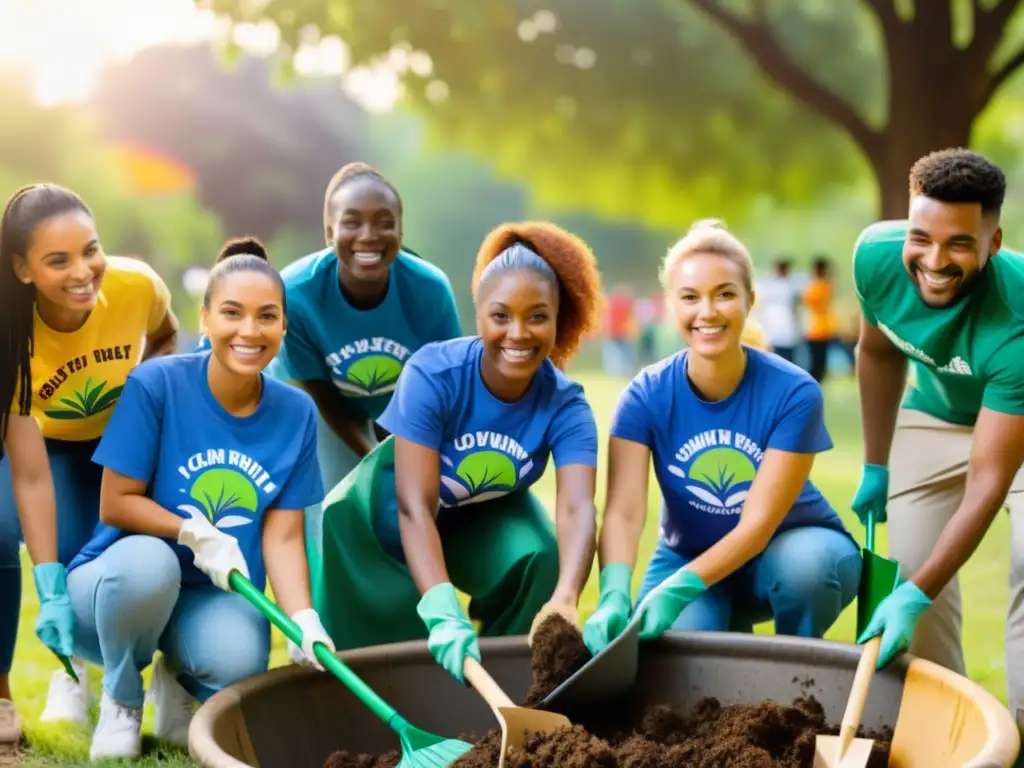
844	750
516	722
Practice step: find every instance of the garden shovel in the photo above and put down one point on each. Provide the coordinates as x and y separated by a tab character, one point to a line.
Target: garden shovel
419	748
879	577
608	675
516	722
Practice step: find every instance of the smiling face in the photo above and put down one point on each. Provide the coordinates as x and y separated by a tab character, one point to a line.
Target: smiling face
245	321
65	263
365	229
710	302
517	313
946	247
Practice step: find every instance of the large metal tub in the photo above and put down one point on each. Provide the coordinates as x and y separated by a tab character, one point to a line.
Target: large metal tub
294	718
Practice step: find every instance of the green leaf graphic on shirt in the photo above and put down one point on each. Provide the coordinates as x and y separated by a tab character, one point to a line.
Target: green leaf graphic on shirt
721	469
487	469
219	490
88	401
374	371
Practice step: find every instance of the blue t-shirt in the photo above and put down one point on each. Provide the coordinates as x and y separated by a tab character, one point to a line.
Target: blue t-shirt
488	448
706	454
363	351
202	343
169	431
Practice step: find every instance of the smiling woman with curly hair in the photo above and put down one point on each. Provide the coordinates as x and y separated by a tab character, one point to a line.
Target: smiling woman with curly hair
474	422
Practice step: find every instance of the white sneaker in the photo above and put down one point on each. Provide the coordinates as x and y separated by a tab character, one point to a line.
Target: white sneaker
67	700
173	706
118	733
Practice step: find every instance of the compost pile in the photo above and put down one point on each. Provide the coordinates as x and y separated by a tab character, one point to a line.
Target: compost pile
625	734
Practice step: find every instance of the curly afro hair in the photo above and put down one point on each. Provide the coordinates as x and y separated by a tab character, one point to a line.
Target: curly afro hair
959	176
581	298
348	173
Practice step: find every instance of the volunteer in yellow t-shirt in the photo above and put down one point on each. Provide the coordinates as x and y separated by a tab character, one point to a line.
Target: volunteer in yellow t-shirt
73	323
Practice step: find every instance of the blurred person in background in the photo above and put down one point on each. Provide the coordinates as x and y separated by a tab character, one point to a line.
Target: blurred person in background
646	312
818	298
732	432
74	323
619	359
358	309
778	302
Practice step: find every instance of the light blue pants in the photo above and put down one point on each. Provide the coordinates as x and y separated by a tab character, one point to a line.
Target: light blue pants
76	481
129	602
803	580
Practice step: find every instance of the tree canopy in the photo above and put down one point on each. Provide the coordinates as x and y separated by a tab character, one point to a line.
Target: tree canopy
666	109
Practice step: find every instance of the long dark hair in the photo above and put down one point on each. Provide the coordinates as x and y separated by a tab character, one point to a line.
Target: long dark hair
26	209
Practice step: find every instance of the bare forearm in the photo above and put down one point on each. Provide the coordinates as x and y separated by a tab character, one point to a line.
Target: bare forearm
961	536
576	528
734	550
140	514
424	554
620	538
37	511
345	419
288	572
881	379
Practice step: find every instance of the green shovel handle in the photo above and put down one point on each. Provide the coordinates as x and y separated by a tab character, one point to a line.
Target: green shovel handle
336	666
869	535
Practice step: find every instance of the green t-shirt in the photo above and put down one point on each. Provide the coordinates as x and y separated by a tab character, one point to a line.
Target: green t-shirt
962	357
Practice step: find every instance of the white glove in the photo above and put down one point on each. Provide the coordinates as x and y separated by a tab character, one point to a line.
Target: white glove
312	632
216	553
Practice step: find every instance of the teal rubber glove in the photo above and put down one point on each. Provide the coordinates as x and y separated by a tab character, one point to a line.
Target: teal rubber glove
895	619
452	636
613	606
664	603
872	493
55	625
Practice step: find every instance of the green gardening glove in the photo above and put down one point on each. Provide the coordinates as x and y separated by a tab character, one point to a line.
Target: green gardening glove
894	619
55	625
664	603
452	636
872	493
613	606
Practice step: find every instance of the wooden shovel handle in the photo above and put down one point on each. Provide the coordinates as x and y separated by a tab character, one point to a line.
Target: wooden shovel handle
858	695
485	685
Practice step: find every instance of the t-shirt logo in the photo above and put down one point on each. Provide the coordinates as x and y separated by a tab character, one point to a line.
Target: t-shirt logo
368	366
719	468
91	398
225	485
486	465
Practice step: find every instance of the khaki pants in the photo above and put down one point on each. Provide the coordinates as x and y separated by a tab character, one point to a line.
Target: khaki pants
927	476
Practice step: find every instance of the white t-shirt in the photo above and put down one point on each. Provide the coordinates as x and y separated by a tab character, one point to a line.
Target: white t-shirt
776	308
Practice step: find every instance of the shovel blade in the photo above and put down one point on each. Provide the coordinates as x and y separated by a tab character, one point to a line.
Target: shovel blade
879	577
611	673
518	722
856	756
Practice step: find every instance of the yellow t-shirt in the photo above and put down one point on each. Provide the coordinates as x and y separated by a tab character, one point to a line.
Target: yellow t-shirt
77	376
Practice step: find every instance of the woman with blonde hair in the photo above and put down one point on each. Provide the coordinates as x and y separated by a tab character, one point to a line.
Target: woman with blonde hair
733	432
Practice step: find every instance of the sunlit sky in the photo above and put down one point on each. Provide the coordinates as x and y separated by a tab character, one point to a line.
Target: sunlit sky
64	44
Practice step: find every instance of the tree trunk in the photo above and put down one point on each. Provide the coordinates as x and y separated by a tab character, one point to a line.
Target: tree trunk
935	94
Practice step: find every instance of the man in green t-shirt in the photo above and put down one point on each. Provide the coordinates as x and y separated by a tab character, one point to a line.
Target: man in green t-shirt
938	289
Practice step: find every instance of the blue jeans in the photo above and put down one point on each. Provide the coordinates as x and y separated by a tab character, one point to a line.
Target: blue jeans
803	580
129	602
76	481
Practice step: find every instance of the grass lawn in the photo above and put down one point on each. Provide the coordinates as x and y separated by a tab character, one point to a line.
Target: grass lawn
984	583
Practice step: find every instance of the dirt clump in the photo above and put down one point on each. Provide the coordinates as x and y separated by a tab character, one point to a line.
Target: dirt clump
625	734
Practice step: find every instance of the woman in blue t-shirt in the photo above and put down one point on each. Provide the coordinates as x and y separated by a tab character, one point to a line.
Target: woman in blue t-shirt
247	245
358	309
208	464
733	432
474	421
